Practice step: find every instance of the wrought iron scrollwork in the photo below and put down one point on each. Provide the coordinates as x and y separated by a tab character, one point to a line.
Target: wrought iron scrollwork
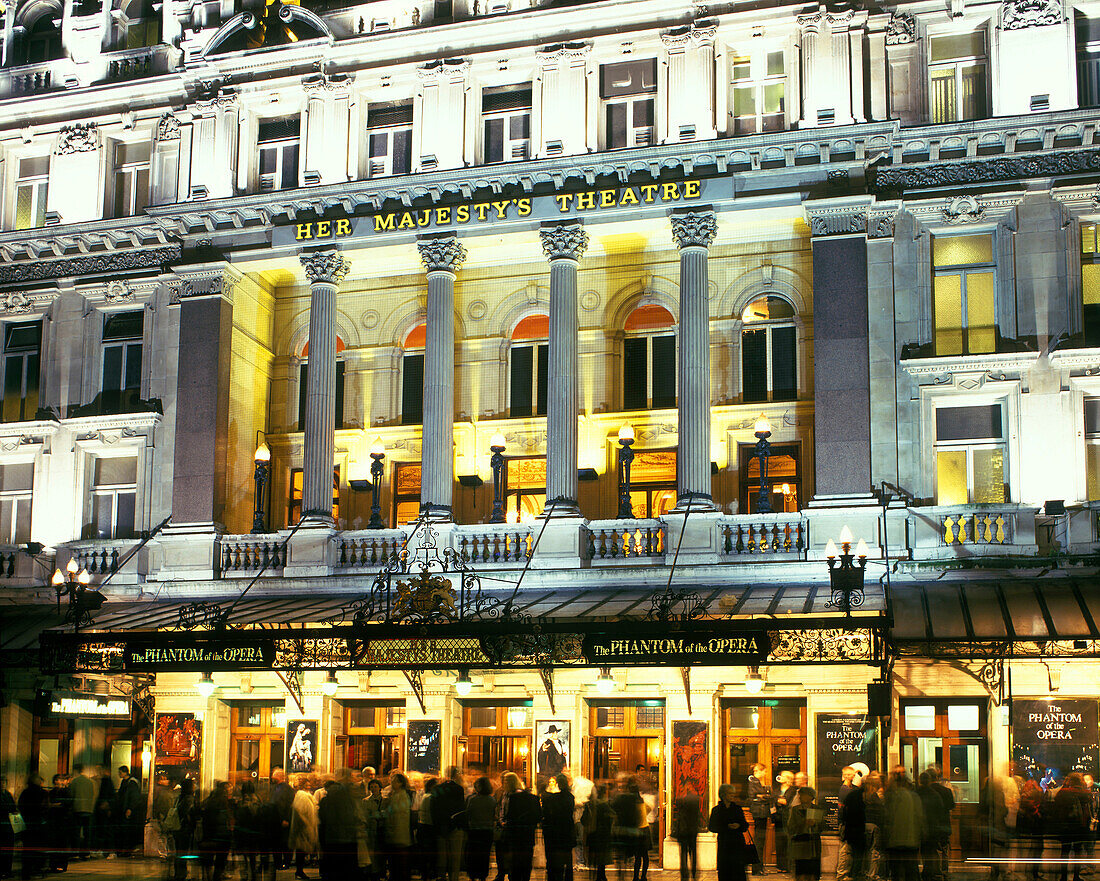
677	606
195	615
822	645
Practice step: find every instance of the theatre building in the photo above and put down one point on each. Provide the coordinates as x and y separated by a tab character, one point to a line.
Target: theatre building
608	387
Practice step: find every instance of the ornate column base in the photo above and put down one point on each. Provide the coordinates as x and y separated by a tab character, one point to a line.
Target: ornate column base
694	502
317	520
437	513
560	507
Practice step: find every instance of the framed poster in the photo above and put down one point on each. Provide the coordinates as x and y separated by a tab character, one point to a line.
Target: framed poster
690	775
424	736
301	749
1052	738
552	750
177	744
842	739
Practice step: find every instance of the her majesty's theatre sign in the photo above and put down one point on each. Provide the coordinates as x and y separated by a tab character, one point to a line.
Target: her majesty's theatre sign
446	214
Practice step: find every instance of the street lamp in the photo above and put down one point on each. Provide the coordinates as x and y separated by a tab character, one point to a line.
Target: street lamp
496	445
754	681
263	458
604	683
74	585
377	454
763	430
626	456
205	686
463	684
845	575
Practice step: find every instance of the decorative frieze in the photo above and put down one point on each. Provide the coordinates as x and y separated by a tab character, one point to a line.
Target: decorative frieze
566	241
445	69
963	209
89	265
443	254
559	51
696	34
694	229
1019	14
325	267
323	82
838	221
1054	163
81	137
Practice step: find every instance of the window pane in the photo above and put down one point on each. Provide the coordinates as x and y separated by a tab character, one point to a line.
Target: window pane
989	476
920	718
742	69
24	199
973	92
969	423
112	368
267	160
744	718
16	478
787	717
616	125
1088	238
133	366
951	483
7	515
949	47
767	308
664	371
290	167
303	385
943	102
521	378
402	151
744	101
962	250
1090	283
102	506
754	366
115	472
635	376
494	140
947	315
773	97
775	64
23	521
784	385
643	114
962	717
981	320
541	383
1092	472
412	389
379	144
628	78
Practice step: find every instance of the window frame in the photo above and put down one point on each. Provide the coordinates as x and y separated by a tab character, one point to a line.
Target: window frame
39	185
282	148
114	491
649	336
540	377
16	497
389	163
523	114
400	498
768	326
519	493
958	64
1090	259
295	492
759	80
963	270
1092	445
138	195
631	101
970	446
127	344
27	355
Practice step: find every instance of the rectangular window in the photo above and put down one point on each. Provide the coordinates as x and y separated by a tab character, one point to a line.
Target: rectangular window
389	138
114	497
649	372
506	123
1090	283
956	66
527	386
653	482
970	455
524	489
294	505
131	176
1092	449
964	315
16	491
406	492
121	378
303	385
22	353
412	389
1088	61
759	84
768	364
279	141
30	192
784	478
628	91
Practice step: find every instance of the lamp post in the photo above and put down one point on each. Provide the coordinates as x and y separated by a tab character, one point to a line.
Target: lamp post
377	454
845	575
74	585
496	444
763	430
263	458
626	456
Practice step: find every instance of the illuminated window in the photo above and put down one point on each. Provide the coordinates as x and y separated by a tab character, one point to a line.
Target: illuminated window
964	316
768	351
784	477
628	90
956	66
759	84
30	192
131	177
412	376
506	123
406	492
527	368
970	455
257	742
22	355
1090	282
141	18
524	489
374	735
649	359
113	497
16	493
279	142
303	386
294	506
389	138
1092	449
122	342
652	483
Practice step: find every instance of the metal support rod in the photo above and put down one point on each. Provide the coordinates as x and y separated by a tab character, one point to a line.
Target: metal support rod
626	457
261	475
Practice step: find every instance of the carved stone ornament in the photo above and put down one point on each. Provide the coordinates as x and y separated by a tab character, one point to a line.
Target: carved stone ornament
838	222
168	129
880	226
1019	14
444	254
699	33
694	229
567	241
89	264
15	302
325	267
559	51
446	69
1054	163
323	82
902	28
963	209
82	137
118	292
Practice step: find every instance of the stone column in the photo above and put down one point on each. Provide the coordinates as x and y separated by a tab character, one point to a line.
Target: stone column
693	231
325	270
442	258
563	245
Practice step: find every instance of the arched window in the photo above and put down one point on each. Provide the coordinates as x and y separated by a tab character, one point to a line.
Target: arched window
42	40
527	369
303	381
768	351
649	359
412	376
142	18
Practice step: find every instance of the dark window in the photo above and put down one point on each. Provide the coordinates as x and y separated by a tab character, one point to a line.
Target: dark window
1088	61
389	133
969	423
649	372
303	384
506	117
528	380
122	343
627	90
294	505
279	141
768	351
754	366
22	352
412	389
635	352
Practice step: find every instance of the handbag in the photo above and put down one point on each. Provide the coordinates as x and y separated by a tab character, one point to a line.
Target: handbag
752	855
18	824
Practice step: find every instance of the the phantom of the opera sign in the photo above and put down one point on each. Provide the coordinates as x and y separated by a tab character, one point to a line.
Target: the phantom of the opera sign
1053	738
695	646
211	656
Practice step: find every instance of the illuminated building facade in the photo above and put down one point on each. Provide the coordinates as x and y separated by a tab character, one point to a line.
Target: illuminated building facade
410	229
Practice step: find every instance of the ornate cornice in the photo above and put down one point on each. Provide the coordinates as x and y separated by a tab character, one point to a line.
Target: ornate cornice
880	226
24	303
112	261
566	241
837	221
694	229
973	369
558	51
442	254
1019	14
82	137
902	28
816	19
323	82
939	174
325	267
963	209
1076	359
698	33
445	69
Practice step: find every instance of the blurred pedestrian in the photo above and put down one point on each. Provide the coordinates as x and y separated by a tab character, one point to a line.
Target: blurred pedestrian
83	791
903	829
281	799
759	796
217	832
480	820
686	817
34	805
397	821
302	835
782	796
558	834
1072	810
520	825
337	829
248	831
103	827
60	822
1029	826
448	820
7	831
128	813
370	851
854	833
804	829
728	822
188	812
596	821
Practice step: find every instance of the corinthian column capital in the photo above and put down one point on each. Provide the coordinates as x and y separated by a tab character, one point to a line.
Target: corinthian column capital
564	241
326	267
443	254
694	229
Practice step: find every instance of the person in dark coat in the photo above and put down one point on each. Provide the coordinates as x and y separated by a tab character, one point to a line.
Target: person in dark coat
128	815
103	826
34	804
936	829
7	832
727	821
217	832
596	821
1029	826
248	829
687	813
60	821
783	795
853	834
481	810
1072	810
281	798
559	835
630	812
337	828
760	806
187	811
518	828
804	827
448	800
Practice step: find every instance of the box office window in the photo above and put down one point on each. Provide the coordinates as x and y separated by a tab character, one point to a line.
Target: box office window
389	138
949	733
279	141
294	505
30	192
406	492
759	84
970	455
768	353
1090	283
628	91
506	123
957	71
963	301
649	359
627	717
771	731
16	494
22	356
113	497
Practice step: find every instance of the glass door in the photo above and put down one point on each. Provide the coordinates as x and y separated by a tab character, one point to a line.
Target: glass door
257	732
496	739
374	736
